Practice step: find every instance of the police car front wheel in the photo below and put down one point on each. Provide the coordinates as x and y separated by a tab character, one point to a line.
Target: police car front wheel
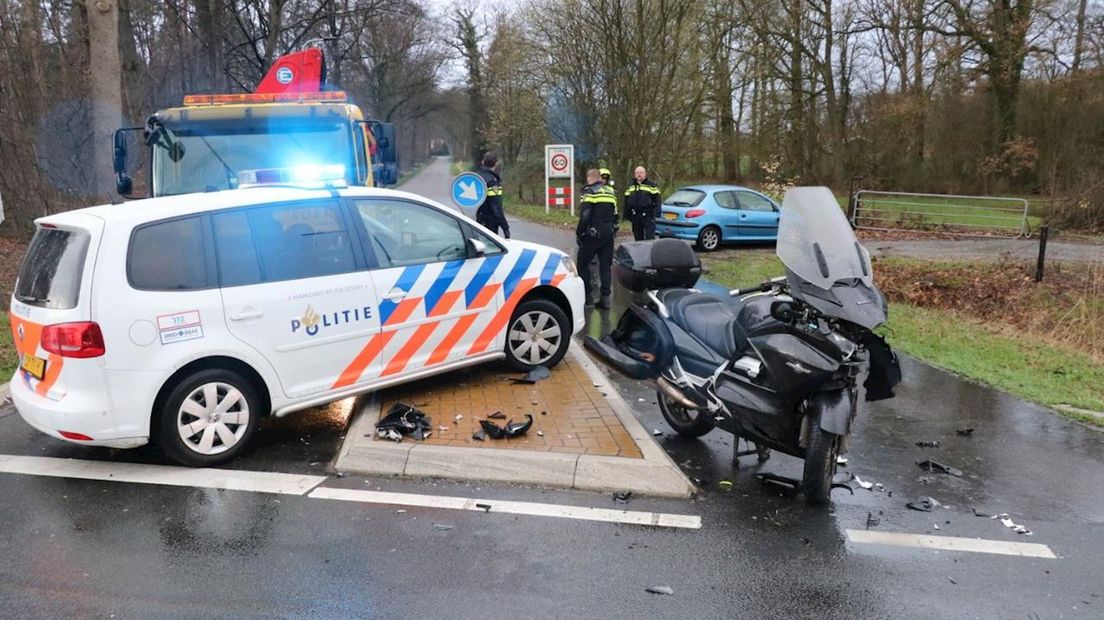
539	335
208	418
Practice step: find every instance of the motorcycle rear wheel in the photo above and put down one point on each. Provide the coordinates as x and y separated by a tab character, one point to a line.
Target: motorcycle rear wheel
820	463
686	422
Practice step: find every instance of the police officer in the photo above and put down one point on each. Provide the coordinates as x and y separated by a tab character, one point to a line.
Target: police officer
594	234
642	204
607	178
490	213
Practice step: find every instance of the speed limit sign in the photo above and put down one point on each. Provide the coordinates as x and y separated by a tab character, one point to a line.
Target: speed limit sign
558	160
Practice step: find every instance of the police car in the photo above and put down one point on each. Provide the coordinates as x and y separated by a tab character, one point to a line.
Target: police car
185	319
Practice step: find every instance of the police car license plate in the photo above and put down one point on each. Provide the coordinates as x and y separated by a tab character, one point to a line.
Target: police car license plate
35	366
667	215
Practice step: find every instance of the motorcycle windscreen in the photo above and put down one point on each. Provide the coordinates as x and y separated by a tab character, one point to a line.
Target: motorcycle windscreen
641	346
816	242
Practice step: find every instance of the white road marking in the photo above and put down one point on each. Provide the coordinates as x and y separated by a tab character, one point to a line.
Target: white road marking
658	519
950	543
294	484
256	481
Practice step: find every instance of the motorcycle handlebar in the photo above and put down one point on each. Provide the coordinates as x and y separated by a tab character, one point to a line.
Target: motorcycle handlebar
759	288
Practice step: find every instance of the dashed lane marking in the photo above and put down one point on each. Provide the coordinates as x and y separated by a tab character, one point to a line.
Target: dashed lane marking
583	513
294	484
950	543
138	473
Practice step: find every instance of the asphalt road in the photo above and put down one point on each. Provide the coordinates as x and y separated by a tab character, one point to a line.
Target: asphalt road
87	548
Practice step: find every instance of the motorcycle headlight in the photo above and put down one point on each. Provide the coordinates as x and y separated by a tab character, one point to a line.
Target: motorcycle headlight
569	265
845	346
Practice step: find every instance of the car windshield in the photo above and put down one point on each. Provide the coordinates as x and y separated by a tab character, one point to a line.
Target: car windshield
816	242
685	198
201	157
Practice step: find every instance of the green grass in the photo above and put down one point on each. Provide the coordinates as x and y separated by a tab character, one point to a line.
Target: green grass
1020	364
557	217
8	356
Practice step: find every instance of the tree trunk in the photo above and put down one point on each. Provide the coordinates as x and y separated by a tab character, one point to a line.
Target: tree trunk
105	88
1079	39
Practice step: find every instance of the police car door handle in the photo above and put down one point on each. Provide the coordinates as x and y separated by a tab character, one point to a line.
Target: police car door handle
395	294
247	314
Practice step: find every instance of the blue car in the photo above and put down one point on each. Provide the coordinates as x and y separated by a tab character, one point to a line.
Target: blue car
711	215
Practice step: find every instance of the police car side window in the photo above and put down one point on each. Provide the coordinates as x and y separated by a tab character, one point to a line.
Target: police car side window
307	240
168	256
407	233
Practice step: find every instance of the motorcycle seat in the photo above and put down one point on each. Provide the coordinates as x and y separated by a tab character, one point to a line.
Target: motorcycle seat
712	320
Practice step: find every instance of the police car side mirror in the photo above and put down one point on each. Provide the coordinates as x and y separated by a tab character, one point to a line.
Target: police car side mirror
478	247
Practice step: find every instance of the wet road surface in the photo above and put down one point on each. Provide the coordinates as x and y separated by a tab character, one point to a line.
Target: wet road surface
81	548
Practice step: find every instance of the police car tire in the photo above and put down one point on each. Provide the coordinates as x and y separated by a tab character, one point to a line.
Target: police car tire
168	433
558	315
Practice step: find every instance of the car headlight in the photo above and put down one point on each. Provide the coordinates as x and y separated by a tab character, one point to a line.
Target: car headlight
845	346
569	265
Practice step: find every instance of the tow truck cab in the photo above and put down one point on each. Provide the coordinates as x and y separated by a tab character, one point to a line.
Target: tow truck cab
289	131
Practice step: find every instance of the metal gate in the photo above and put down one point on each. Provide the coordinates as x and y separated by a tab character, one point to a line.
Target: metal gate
986	216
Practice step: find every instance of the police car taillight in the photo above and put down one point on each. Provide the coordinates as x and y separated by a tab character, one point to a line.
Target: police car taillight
80	340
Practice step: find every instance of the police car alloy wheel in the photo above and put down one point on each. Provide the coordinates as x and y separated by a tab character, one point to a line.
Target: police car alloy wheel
539	335
208	418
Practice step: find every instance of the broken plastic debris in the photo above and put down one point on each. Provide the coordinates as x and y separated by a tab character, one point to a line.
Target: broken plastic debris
485	507
872	521
862	483
841	461
656	432
927	444
965	432
479	435
725	484
622	497
498	415
540	433
661	590
513	429
442	428
776	480
457	418
400	511
540	373
403	419
924	504
933	465
441	527
1008	523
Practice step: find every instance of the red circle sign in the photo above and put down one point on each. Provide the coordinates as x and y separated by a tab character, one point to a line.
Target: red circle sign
559	162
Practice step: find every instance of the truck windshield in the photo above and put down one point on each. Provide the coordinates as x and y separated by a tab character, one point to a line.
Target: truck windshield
198	157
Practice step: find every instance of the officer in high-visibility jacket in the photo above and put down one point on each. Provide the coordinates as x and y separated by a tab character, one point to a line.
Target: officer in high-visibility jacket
594	234
490	213
642	205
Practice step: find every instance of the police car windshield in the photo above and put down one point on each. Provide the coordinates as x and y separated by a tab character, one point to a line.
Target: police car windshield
197	157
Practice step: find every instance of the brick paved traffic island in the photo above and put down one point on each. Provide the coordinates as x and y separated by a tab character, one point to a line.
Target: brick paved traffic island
573	414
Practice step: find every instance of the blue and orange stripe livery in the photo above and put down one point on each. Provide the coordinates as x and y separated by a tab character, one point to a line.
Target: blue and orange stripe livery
441	299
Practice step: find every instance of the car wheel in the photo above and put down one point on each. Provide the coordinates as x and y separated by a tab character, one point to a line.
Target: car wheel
709	239
208	418
538	335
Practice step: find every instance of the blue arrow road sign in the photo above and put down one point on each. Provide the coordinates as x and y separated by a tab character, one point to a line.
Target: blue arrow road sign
469	190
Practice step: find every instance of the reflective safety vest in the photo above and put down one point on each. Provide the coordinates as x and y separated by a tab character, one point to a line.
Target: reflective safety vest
642	200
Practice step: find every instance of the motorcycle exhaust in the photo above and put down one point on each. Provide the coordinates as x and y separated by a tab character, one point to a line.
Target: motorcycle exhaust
675	394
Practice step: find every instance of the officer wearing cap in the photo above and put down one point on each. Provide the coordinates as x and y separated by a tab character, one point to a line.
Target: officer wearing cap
594	234
607	178
642	204
490	213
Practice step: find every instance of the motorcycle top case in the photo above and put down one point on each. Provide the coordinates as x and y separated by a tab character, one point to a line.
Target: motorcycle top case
653	265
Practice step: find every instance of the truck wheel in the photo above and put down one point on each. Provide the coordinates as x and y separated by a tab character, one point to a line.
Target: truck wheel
820	463
686	422
539	335
709	239
208	418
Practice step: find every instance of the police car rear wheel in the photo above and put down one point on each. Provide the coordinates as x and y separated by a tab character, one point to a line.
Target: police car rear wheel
539	335
208	418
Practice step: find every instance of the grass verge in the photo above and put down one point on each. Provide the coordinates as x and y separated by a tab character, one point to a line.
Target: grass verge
8	357
556	217
992	352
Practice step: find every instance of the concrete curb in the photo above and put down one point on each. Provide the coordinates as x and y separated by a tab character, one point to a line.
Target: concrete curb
655	474
5	392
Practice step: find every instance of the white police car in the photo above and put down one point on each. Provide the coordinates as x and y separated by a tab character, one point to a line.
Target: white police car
185	319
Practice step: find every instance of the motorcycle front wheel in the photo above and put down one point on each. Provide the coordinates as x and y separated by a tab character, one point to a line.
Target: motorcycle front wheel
686	422
820	463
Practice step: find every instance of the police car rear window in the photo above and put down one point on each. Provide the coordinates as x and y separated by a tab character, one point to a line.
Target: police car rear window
168	256
50	276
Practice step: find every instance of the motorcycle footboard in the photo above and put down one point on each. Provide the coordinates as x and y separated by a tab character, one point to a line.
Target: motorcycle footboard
641	346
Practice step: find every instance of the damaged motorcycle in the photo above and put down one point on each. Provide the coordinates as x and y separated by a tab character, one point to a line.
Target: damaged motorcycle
777	364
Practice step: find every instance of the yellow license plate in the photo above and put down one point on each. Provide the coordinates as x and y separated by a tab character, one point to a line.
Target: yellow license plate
35	366
670	216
